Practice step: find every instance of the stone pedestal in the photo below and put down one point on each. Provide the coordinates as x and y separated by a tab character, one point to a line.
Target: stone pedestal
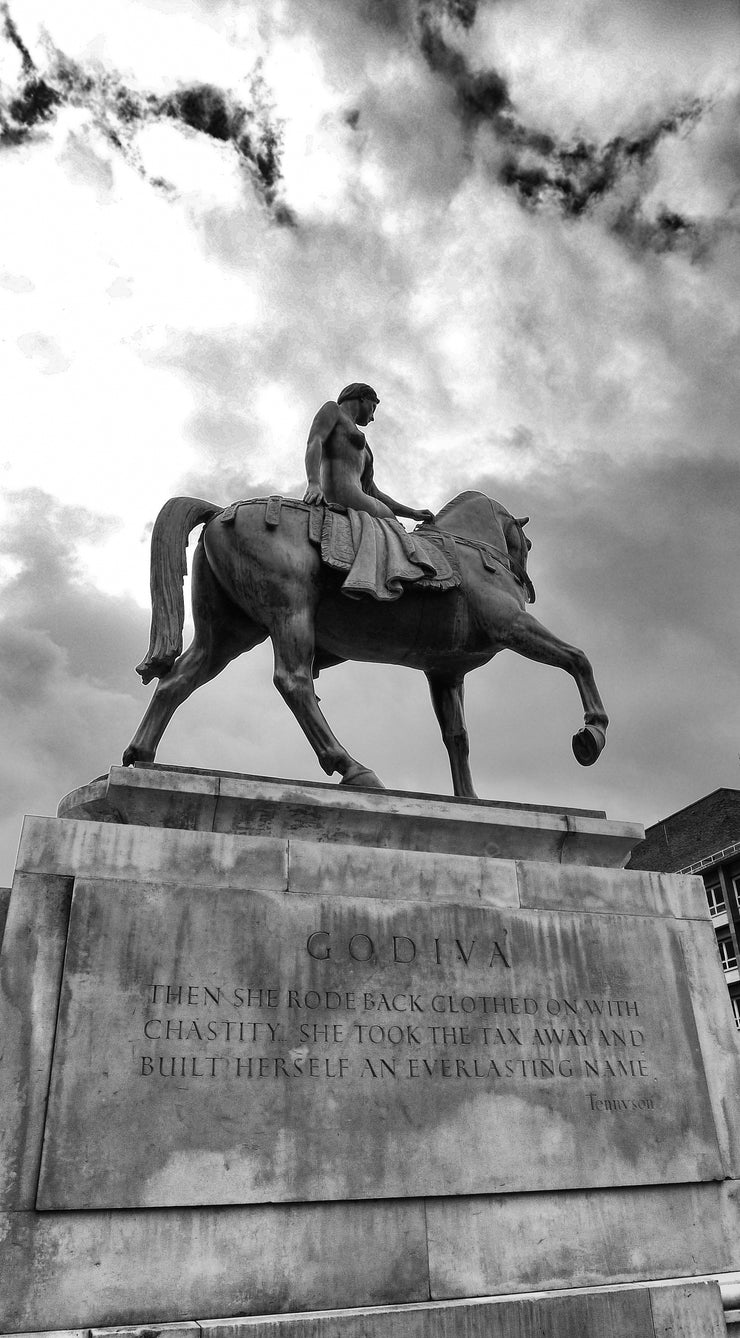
274	1048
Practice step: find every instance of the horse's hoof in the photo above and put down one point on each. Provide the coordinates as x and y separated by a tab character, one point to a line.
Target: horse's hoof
587	744
362	777
133	755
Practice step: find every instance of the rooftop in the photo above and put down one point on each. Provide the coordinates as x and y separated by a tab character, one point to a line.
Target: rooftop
708	827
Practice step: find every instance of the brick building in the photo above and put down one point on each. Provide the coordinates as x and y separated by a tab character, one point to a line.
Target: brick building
705	839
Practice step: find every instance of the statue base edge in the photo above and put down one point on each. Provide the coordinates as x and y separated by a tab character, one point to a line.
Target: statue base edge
669	1308
246	805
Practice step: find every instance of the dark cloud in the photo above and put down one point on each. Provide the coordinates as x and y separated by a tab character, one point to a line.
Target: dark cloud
480	95
11	32
462	11
252	127
226	471
667	15
68	691
575	178
647	545
29	663
667	231
62	617
35	100
253	130
578	175
384	14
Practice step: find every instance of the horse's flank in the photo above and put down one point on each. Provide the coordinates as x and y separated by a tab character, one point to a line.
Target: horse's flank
472	519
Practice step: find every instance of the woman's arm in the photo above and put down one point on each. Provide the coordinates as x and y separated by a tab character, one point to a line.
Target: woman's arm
399	509
322	425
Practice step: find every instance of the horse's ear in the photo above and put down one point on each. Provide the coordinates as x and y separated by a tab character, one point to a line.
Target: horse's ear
522	520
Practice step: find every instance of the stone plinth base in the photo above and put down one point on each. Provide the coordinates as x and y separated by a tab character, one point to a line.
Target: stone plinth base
272	1048
692	1310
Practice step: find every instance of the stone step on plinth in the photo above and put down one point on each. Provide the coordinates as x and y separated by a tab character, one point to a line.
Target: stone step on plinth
685	1310
154	796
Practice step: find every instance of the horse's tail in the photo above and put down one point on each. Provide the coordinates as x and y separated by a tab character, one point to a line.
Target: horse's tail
168	568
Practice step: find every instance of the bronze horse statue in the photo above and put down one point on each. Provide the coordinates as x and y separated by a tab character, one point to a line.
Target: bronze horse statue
253	578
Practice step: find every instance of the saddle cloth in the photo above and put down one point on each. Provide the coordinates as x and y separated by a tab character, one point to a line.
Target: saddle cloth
381	558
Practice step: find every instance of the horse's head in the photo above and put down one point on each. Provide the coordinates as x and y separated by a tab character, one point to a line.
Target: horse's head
479	519
518	546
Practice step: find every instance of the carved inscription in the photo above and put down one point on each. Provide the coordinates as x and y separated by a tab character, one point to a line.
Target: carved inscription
231	1047
198	1030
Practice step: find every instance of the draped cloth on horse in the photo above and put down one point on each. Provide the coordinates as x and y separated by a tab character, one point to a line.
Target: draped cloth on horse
380	557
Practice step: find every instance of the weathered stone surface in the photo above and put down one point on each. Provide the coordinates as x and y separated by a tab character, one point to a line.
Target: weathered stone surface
684	894
185	1330
377	1054
4	903
254	805
102	850
407	875
567	887
730	1288
139	795
717	1037
102	1269
519	1242
616	1157
30	978
54	1333
639	1312
690	1311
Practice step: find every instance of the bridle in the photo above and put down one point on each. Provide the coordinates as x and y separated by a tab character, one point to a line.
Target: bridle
504	557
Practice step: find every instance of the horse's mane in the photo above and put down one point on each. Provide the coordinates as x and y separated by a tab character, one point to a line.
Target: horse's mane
471	515
479	519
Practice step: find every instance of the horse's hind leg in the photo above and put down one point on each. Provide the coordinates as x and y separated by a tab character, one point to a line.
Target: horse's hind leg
196	666
221	633
531	639
447	700
293	645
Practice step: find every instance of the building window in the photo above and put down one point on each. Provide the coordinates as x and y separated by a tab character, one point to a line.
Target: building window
727	954
716	900
736	889
736	1010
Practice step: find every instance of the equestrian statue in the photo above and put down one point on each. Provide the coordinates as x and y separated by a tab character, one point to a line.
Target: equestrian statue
336	577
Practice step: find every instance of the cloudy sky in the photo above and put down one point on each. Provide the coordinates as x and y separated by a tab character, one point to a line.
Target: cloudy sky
519	221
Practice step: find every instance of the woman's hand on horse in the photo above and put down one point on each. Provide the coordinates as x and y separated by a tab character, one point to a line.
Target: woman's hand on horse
425	517
313	494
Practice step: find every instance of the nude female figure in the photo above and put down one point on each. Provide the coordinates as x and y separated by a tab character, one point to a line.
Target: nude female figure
339	462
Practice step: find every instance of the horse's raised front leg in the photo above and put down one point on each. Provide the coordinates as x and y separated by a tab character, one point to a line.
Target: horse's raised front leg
447	700
293	645
531	639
